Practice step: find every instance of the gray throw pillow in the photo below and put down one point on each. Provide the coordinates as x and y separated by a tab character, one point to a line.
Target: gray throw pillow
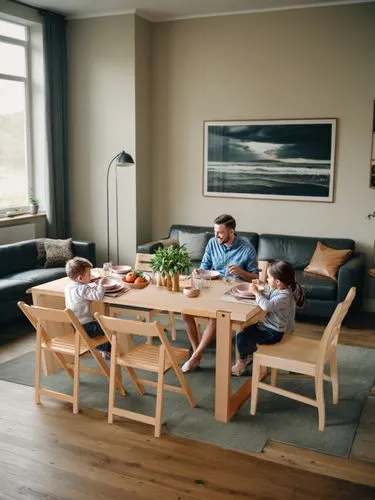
195	243
58	252
41	259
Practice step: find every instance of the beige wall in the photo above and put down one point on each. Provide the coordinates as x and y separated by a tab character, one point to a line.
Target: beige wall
143	32
148	89
101	87
303	63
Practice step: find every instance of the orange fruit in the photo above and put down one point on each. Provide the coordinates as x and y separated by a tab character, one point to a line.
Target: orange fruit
130	277
139	280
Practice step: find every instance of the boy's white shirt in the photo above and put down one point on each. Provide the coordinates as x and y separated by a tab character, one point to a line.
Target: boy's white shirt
78	298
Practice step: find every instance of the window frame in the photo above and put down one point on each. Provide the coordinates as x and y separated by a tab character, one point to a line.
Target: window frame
26	80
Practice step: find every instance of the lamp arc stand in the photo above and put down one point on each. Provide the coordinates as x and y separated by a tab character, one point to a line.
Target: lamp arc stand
124	159
109	168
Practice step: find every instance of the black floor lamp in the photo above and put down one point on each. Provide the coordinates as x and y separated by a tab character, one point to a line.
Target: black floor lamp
123	160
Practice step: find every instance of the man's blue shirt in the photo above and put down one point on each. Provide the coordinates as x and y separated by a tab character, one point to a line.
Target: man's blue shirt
218	256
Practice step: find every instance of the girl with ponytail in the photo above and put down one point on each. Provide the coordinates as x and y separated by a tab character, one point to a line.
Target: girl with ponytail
280	307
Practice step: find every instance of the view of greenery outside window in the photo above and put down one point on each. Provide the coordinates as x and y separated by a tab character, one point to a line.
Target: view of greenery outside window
15	167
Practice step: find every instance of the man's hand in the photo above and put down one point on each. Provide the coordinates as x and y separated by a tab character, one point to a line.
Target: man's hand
238	271
232	268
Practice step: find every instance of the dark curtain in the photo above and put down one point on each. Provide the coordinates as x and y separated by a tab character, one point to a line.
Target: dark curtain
55	60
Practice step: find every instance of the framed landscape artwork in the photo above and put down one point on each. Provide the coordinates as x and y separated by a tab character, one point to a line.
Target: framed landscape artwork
272	159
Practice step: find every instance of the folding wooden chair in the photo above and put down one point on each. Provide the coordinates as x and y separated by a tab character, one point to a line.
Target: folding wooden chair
306	357
74	344
152	358
142	263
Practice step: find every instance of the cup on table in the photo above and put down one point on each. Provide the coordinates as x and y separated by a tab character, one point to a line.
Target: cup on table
196	281
229	277
107	268
206	281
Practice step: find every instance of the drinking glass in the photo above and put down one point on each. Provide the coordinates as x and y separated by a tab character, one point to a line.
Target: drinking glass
107	268
228	276
206	282
196	280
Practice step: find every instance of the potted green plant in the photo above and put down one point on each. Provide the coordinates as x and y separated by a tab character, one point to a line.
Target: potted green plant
169	263
34	203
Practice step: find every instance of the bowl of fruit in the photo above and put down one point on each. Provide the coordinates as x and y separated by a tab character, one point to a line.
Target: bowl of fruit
136	279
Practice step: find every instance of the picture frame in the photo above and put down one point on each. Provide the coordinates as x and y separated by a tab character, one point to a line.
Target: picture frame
270	159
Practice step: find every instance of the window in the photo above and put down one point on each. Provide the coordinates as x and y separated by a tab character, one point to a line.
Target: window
15	158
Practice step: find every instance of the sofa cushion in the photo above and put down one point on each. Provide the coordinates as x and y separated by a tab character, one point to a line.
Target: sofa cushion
297	250
317	287
326	261
195	243
41	259
168	242
16	257
11	290
38	276
58	252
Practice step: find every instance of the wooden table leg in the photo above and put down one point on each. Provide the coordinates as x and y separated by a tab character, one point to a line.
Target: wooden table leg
226	403
223	385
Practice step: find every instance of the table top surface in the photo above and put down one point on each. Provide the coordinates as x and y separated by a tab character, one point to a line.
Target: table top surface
154	297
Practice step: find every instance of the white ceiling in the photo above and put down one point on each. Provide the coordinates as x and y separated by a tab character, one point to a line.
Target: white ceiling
163	10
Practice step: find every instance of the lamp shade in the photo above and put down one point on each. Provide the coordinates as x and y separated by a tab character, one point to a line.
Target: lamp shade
124	159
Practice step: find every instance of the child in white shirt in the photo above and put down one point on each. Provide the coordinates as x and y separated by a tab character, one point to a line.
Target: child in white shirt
78	297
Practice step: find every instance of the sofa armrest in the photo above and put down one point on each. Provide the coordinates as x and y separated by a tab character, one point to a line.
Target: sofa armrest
149	247
85	249
350	274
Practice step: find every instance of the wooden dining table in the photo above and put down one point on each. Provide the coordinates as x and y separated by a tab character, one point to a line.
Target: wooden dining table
210	303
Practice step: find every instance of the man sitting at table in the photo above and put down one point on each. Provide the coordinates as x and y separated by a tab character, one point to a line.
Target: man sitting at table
225	252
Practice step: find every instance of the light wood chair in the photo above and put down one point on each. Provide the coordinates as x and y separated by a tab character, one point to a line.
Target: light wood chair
306	357
72	344
142	263
148	357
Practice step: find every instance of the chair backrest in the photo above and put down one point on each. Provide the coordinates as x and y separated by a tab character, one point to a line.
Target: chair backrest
40	315
331	333
53	321
142	262
262	268
123	327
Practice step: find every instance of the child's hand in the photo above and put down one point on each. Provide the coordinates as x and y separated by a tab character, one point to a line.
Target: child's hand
257	282
254	288
102	281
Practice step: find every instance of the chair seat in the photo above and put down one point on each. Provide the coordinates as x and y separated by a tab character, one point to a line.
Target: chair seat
300	352
146	357
65	344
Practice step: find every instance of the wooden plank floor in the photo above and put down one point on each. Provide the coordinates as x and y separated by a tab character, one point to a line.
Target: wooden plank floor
47	452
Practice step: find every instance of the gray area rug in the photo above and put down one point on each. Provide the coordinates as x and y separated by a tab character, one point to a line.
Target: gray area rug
279	419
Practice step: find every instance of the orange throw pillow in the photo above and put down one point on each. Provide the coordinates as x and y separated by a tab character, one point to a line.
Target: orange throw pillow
326	261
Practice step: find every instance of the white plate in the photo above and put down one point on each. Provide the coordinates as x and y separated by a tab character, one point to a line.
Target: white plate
94	275
242	291
121	269
205	273
110	283
120	286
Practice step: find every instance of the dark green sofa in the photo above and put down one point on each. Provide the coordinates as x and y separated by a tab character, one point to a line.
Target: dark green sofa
322	294
20	269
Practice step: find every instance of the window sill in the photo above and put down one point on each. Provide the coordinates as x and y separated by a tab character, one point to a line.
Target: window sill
18	220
